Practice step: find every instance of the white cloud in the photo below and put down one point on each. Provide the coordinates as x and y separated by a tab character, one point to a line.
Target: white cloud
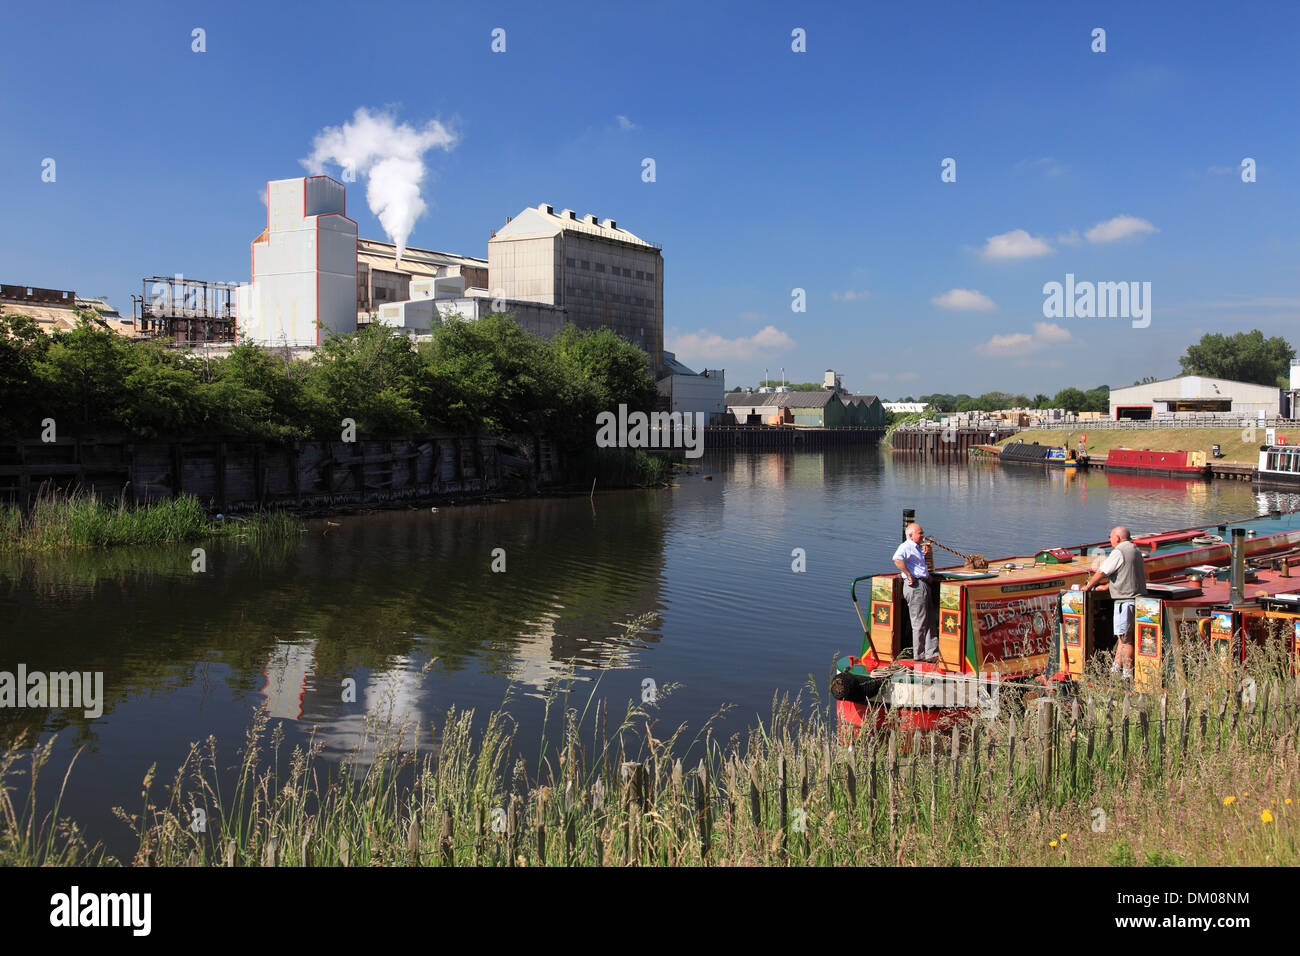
709	345
261	196
964	300
1018	344
850	295
1016	244
624	122
1047	166
1118	228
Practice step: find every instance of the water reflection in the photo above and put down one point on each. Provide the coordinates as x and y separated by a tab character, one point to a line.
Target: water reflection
406	603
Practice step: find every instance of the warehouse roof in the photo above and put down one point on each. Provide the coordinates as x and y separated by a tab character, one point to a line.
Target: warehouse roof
383	255
543	220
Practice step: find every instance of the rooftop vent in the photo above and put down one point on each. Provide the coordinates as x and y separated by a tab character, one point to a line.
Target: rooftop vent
590	220
548	209
610	224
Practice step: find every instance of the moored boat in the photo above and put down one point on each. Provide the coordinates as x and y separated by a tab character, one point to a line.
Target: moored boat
1279	466
1004	623
1167	464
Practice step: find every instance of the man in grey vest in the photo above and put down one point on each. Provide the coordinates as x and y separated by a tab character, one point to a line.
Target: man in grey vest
1127	580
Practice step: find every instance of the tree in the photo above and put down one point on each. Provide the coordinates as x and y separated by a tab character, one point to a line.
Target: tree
1243	357
1071	399
1041	400
1096	399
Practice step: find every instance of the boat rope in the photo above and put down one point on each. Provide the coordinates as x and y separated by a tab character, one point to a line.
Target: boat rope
976	561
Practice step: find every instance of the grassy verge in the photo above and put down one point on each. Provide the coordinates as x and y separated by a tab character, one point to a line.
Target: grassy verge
1101	441
82	520
1114	780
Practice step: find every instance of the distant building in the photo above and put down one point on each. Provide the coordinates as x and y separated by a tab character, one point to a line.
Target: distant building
56	310
687	391
1190	395
304	266
601	275
905	408
825	409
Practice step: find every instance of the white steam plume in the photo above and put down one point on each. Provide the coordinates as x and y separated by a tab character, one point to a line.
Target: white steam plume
391	157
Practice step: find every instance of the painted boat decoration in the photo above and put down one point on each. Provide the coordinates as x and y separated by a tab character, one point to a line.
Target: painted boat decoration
1014	622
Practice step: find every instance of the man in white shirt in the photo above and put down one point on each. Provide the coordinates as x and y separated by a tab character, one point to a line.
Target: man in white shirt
1127	580
909	558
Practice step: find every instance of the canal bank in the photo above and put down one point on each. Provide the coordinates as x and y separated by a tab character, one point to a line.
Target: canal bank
1237	445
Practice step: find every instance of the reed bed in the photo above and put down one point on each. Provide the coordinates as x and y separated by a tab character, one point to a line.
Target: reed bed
80	519
1206	773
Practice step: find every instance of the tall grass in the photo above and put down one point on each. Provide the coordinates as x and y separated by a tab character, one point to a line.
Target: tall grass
81	519
1122	786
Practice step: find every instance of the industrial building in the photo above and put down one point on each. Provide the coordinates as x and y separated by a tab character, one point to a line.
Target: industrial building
687	391
304	266
1189	396
824	409
382	279
601	275
59	310
431	300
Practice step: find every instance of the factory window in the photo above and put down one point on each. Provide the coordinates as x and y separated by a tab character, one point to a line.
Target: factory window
569	262
381	293
627	273
640	274
586	264
600	267
650	276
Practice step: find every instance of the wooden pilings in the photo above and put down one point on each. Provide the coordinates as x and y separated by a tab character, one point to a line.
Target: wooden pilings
937	444
786	436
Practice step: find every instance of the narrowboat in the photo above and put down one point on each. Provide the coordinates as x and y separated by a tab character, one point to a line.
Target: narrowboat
1279	466
1061	458
1024	620
1166	464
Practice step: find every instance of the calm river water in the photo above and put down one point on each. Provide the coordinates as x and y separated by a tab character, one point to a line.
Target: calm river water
374	598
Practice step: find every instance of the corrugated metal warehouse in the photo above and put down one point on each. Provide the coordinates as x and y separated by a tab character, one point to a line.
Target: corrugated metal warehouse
1192	395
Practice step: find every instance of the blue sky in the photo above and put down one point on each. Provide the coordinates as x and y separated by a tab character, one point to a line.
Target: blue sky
775	170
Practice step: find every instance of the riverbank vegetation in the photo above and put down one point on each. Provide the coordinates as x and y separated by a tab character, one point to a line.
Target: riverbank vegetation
488	377
1208	774
83	520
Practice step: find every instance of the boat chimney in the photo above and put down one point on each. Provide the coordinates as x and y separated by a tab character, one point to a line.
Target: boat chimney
1237	571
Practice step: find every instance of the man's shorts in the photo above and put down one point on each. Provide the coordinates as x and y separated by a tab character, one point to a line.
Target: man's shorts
1124	621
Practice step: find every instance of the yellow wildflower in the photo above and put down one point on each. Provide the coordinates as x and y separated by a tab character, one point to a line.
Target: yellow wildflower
1063	836
1228	800
1053	843
1266	816
1287	801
